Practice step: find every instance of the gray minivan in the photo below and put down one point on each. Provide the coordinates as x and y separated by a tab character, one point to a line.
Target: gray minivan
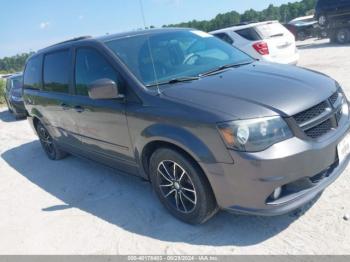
209	126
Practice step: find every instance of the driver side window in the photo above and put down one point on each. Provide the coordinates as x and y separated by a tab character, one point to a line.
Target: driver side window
90	66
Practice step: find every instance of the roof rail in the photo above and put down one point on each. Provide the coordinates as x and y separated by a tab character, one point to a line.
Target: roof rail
69	40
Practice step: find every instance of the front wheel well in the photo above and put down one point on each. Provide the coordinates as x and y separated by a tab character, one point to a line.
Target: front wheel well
150	148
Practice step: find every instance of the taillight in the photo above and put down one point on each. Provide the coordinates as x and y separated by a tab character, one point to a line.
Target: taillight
262	48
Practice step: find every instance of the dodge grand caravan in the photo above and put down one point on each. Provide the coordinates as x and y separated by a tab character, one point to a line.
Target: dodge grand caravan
210	127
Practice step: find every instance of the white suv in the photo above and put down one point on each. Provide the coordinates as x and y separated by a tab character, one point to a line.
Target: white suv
268	41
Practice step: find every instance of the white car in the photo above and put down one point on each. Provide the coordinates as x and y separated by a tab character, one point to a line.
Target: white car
267	41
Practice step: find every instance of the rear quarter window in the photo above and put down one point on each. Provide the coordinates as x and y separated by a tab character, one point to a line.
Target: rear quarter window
249	34
56	71
32	73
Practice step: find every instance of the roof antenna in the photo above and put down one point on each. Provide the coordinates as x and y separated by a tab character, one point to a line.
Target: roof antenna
149	47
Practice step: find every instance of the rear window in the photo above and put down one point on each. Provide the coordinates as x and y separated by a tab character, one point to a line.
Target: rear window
56	71
271	30
224	37
249	34
32	74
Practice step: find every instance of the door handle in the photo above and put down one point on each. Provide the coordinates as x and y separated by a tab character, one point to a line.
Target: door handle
79	109
65	106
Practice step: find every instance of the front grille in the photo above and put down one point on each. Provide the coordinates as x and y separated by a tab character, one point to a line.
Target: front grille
319	130
320	119
311	113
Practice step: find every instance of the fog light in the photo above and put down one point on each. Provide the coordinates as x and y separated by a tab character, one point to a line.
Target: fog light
277	193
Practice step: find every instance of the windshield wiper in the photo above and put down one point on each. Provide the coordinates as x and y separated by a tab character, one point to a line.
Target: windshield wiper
221	68
175	80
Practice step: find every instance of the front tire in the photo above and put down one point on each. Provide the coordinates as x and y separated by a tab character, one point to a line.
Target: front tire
8	106
323	20
181	186
48	144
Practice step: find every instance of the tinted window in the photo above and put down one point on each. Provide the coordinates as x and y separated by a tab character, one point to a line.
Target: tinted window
32	74
17	83
225	38
91	66
56	72
249	34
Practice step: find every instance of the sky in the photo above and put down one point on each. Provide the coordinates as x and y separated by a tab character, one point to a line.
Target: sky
30	25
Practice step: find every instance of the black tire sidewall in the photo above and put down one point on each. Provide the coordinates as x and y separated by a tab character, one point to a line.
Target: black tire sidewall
347	36
206	204
52	156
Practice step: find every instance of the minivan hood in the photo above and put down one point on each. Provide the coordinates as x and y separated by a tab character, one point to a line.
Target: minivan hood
256	90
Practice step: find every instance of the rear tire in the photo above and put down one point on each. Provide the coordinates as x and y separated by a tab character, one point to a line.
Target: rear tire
48	144
181	186
343	36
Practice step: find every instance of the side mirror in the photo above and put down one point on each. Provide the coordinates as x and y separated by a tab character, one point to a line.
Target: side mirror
104	89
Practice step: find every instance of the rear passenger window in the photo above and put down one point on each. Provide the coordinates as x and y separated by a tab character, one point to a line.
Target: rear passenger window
91	66
249	34
32	73
56	72
224	37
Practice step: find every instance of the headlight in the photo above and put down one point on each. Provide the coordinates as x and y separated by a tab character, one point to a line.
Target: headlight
254	135
345	105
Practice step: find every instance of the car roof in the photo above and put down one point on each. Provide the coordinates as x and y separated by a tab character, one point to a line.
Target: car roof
108	37
244	26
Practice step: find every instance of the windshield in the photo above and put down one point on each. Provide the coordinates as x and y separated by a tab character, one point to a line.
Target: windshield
161	57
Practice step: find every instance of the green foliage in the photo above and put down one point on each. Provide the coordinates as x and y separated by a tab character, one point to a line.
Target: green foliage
14	63
2	91
283	13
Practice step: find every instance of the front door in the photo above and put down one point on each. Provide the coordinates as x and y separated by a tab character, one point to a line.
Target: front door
102	124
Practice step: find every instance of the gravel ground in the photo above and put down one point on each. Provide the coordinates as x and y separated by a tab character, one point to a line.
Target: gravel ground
75	206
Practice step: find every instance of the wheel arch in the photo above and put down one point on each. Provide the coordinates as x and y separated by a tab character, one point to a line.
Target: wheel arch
176	138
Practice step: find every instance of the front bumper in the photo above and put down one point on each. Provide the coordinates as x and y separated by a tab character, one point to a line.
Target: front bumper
246	185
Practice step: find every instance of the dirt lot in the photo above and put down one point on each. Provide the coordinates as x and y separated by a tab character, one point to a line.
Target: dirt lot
75	206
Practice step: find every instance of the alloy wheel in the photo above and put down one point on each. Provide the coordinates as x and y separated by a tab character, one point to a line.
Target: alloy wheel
46	141
322	20
176	186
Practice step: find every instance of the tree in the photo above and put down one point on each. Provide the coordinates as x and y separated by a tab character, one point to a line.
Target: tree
283	13
14	63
